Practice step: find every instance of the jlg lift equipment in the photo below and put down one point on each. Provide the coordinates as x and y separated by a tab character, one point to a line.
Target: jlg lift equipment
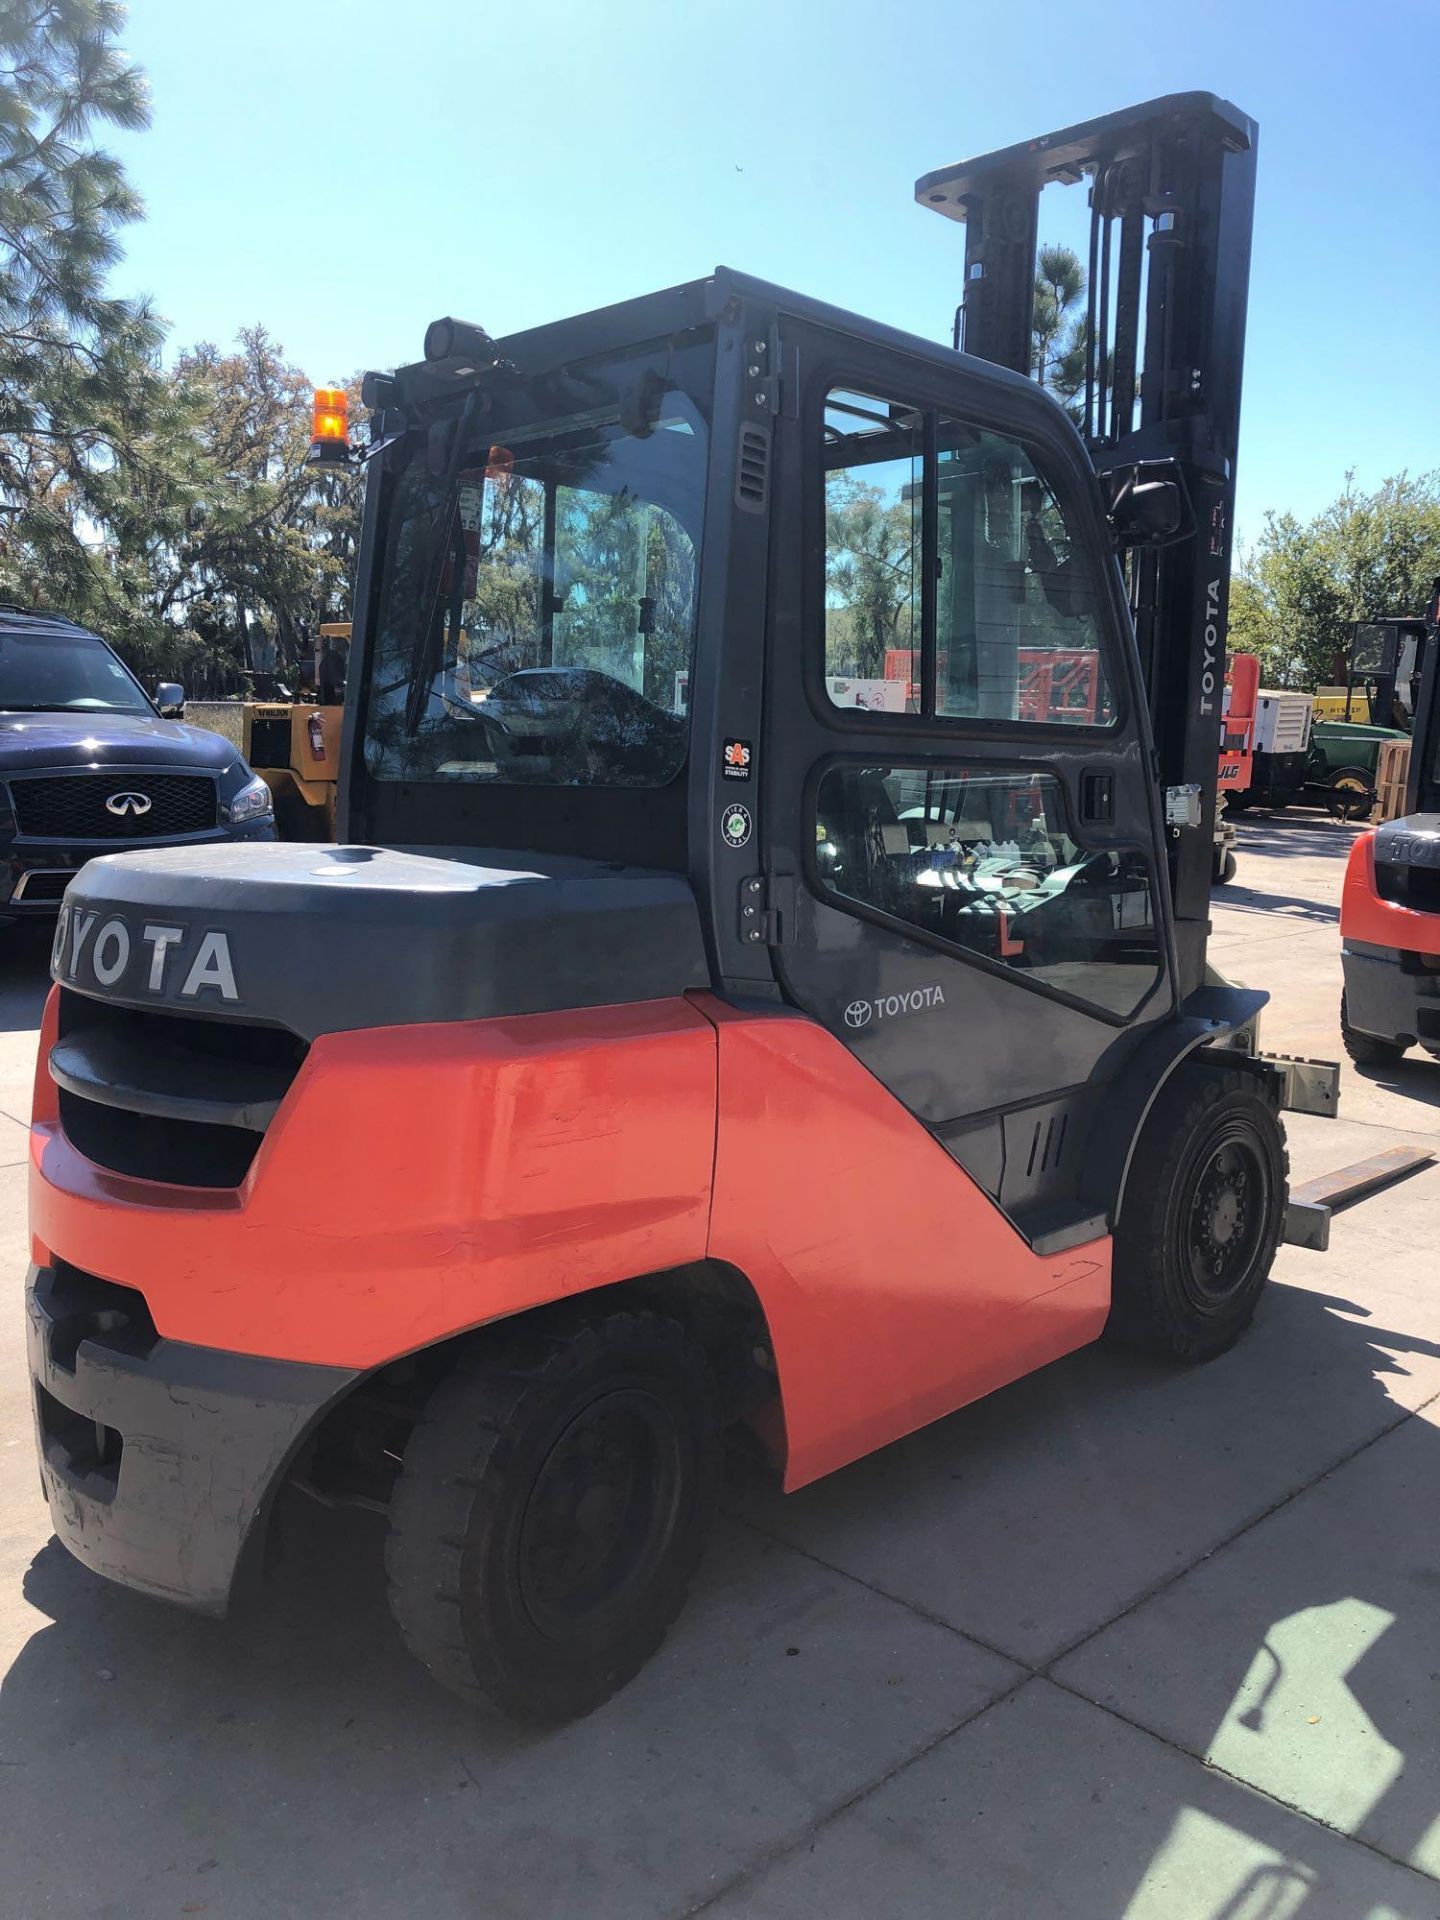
1237	755
677	1041
1390	905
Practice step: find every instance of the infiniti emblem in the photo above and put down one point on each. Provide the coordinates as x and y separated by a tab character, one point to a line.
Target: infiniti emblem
122	803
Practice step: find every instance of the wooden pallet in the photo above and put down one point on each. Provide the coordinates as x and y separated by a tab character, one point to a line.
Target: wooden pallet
1391	771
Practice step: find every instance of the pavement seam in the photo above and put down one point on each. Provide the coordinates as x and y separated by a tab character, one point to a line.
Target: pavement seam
883	1593
1042	1670
772	1855
782	1850
1235	1779
1029	1672
1229	1540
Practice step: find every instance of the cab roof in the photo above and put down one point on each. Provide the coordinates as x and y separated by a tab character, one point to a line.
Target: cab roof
657	316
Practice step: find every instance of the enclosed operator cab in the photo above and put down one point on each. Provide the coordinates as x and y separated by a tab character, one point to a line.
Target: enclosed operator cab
751	985
1390	906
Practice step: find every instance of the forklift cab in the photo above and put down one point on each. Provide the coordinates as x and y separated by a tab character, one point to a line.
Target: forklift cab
727	583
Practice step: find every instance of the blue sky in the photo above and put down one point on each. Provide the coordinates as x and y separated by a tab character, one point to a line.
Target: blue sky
345	170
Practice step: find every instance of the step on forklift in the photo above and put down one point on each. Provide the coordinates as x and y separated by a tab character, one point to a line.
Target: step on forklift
688	1050
1390	902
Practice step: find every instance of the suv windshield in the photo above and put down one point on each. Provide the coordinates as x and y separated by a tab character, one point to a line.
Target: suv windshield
536	616
62	671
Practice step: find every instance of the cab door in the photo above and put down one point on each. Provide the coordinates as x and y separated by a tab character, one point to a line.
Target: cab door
956	762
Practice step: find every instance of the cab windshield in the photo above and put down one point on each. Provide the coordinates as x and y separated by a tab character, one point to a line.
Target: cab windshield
536	615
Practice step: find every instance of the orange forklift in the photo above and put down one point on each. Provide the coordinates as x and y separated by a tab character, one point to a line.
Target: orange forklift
1390	904
687	1047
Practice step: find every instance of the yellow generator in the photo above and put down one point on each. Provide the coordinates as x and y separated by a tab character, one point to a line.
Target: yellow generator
295	745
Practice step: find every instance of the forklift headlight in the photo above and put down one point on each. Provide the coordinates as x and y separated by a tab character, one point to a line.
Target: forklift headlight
252	802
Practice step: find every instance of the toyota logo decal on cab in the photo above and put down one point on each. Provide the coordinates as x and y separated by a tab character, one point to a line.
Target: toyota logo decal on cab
122	803
859	1013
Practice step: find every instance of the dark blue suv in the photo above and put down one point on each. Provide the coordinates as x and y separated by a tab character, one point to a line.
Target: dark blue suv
89	764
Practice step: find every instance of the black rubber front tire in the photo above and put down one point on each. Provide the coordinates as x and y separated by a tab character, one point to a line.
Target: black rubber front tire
551	1510
1223	868
1366	1049
1203	1212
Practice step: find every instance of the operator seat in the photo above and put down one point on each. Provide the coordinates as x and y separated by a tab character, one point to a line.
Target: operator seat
870	837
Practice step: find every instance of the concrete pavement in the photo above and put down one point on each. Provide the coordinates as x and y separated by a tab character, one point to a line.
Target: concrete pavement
1119	1641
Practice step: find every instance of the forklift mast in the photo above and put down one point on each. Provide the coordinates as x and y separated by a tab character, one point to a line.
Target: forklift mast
1172	191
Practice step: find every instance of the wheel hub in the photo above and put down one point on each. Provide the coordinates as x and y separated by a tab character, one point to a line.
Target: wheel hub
599	1512
1225	1217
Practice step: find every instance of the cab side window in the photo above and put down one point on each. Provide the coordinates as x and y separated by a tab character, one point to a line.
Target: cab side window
1016	615
982	860
874	468
1019	613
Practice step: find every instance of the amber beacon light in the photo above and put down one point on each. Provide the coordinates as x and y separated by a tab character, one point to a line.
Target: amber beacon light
330	425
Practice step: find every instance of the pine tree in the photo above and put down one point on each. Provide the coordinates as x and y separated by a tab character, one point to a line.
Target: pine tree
77	365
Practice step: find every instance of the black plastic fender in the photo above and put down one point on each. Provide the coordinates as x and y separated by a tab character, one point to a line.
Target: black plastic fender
1209	1015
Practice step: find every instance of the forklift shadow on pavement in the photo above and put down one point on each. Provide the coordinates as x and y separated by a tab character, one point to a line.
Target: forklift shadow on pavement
1279	906
298	1756
1415	1077
1304	837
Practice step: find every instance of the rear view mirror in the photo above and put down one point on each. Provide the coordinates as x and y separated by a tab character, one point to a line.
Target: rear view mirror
170	699
1148	506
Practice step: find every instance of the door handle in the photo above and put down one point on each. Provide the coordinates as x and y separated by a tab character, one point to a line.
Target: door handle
1097	796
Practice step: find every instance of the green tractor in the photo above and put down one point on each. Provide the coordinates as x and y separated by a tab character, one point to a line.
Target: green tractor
1375	703
1342	766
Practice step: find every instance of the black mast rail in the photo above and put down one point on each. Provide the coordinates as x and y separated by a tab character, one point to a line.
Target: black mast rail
1171	211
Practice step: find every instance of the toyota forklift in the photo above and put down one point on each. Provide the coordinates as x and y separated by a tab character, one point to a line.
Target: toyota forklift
690	1050
1390	902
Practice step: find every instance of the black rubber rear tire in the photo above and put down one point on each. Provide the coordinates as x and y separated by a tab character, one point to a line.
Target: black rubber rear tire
1366	1049
1350	794
551	1510
1203	1212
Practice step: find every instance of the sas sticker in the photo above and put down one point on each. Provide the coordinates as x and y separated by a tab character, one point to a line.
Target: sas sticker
737	760
735	826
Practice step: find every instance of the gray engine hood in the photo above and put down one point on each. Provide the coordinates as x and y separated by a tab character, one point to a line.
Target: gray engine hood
1413	841
328	939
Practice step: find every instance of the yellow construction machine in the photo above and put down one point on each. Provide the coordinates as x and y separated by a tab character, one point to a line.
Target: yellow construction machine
294	744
